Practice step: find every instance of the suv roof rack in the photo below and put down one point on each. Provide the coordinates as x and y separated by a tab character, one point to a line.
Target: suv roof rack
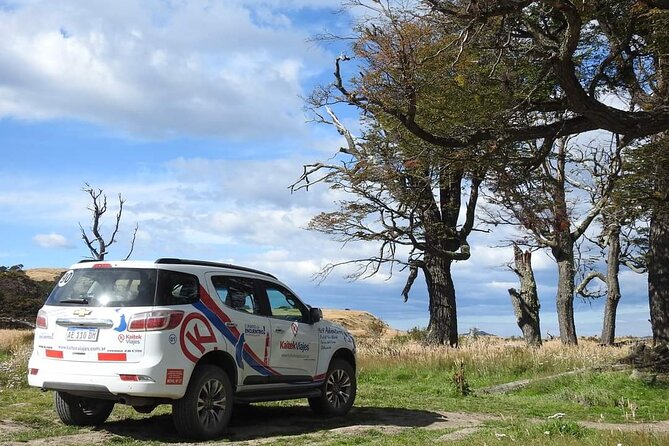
172	261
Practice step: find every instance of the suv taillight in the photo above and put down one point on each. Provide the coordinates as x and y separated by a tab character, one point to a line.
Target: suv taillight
41	321
155	320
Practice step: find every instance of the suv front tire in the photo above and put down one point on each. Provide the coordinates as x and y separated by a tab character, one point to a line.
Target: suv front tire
337	392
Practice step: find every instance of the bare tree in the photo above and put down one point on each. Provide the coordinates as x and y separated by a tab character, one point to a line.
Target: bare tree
97	244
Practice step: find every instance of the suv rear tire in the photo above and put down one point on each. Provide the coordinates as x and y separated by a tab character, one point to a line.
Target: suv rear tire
204	411
79	411
337	392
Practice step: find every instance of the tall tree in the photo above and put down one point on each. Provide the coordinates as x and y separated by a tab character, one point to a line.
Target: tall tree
97	244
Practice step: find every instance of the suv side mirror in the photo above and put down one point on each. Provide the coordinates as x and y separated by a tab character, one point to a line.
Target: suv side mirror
315	314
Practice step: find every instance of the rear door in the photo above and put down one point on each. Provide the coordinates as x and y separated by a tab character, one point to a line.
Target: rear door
247	329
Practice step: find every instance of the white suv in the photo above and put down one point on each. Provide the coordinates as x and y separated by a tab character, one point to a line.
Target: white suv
198	335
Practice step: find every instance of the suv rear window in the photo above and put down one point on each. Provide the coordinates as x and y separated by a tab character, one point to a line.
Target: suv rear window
105	287
124	287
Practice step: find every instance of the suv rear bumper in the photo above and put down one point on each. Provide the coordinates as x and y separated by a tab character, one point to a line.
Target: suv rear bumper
103	381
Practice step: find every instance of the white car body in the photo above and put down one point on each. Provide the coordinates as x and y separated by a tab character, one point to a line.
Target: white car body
274	347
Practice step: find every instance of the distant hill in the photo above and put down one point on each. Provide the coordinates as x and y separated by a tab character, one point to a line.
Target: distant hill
360	323
45	274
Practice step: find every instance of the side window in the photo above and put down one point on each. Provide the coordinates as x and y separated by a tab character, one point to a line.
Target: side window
284	305
237	293
175	288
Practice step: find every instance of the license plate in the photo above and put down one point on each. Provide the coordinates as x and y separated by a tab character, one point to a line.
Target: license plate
82	334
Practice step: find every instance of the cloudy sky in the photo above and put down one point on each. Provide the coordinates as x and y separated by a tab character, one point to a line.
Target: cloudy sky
193	110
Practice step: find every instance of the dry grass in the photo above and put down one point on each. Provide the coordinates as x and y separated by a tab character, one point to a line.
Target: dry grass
490	355
12	339
16	345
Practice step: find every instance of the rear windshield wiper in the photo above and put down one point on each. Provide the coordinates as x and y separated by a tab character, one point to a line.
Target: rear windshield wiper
82	301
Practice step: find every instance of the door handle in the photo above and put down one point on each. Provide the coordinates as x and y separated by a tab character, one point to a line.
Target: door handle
230	324
279	330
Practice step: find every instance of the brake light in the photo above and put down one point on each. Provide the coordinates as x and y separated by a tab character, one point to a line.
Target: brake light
41	321
102	265
155	320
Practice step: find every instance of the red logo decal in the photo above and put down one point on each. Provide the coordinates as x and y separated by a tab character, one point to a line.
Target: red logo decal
294	328
195	332
174	377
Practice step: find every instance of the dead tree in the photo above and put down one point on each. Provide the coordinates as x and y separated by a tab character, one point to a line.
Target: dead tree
98	208
526	301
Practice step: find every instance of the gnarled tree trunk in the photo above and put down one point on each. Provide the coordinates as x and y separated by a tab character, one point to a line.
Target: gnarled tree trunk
658	276
526	301
612	286
563	252
443	326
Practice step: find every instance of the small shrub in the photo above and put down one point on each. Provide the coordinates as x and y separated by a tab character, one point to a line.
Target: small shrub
564	429
417	334
460	380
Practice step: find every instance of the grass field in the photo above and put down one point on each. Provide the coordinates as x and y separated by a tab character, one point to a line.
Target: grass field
408	394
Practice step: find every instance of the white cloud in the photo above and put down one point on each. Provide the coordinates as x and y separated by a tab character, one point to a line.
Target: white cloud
157	69
52	241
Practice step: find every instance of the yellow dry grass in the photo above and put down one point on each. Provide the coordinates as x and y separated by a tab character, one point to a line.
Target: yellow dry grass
491	351
11	339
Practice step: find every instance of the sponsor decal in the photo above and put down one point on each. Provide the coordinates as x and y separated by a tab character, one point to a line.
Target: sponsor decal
66	278
130	338
294	327
45	336
252	329
195	332
122	324
174	377
332	335
173	339
294	345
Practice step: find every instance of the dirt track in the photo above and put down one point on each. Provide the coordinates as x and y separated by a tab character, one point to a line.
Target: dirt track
264	425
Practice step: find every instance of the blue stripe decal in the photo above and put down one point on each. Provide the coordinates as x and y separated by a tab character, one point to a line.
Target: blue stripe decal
218	323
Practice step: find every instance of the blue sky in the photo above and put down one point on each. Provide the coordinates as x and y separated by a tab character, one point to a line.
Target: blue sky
193	110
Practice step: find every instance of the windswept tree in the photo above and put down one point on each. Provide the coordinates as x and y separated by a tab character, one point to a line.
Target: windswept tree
407	200
546	69
97	244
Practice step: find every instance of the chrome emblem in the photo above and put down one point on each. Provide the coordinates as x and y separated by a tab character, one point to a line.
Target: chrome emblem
81	312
